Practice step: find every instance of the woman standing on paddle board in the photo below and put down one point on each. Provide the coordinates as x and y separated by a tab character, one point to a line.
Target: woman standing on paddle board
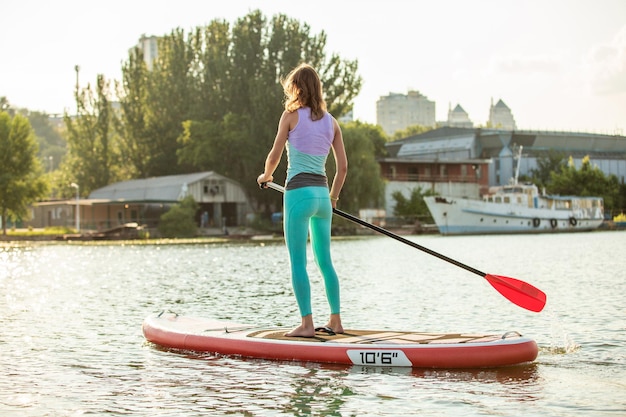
309	132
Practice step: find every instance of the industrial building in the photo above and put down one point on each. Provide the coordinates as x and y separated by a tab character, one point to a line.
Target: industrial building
464	162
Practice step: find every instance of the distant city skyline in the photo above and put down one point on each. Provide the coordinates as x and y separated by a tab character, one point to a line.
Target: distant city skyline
397	112
558	65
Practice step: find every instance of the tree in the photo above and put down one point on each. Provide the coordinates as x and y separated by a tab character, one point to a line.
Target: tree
168	105
551	161
92	158
414	206
5	105
52	145
21	180
179	221
412	130
210	77
620	204
134	140
364	185
588	181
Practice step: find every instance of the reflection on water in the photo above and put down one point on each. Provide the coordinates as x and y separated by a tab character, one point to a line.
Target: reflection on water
71	328
329	389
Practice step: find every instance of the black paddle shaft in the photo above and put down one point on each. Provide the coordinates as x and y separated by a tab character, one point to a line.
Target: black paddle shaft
406	241
387	233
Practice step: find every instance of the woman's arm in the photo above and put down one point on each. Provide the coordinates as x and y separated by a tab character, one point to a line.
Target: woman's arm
341	164
287	121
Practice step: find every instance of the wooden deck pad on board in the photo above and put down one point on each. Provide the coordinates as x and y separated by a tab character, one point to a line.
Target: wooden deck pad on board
379	337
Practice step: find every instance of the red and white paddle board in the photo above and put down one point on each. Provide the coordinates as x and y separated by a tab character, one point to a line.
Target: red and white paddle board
354	347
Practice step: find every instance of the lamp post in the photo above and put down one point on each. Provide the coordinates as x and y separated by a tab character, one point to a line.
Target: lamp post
74	185
77	69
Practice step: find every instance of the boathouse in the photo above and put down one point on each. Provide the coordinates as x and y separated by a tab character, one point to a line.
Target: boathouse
222	203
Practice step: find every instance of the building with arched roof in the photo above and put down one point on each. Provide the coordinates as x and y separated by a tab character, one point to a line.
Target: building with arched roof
143	201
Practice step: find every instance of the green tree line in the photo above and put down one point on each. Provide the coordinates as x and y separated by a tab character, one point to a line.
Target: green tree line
21	176
211	101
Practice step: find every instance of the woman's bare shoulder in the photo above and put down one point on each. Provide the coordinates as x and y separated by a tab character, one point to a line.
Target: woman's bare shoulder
290	118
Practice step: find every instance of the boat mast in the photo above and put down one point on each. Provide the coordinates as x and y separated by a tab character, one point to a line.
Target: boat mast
519	160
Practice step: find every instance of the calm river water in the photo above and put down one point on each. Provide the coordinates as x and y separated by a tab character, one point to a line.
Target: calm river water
71	314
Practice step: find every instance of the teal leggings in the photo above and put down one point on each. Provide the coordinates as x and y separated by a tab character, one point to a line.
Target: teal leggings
309	208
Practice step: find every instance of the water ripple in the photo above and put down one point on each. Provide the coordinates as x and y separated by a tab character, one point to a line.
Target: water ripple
72	343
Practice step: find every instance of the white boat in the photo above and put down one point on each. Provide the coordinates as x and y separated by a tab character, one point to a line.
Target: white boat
515	208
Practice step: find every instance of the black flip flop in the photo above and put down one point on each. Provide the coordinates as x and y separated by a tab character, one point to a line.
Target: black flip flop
326	330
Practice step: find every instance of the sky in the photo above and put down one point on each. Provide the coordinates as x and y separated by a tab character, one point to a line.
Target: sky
557	64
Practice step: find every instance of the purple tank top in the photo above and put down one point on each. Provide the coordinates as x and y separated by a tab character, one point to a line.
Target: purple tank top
312	137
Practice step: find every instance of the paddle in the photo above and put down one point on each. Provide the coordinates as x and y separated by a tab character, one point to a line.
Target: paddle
518	292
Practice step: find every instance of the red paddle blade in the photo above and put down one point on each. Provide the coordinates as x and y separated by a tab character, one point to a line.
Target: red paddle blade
518	292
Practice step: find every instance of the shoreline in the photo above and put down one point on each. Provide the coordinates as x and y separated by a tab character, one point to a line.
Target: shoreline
25	237
256	239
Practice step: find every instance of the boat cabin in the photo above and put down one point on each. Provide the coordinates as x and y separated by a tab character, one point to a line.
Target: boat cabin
519	194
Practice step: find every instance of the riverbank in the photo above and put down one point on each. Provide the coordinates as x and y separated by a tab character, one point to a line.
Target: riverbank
16	239
130	231
127	234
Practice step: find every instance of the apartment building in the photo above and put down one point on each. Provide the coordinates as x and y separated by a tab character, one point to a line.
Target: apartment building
458	117
398	111
149	47
500	116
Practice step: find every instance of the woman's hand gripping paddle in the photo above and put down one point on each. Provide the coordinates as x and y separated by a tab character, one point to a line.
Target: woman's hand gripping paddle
518	292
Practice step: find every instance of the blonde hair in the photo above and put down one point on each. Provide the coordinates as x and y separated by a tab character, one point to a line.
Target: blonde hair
303	88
